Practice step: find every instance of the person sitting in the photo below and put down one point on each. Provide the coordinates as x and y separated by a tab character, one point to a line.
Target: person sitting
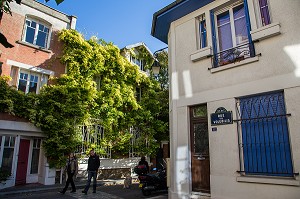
145	163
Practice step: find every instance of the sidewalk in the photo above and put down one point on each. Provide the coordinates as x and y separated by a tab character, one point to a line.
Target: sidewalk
80	183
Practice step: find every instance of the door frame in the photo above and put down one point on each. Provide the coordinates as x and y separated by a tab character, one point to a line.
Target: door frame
192	120
28	157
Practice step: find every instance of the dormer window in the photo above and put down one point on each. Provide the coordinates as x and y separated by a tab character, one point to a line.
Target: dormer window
137	61
36	33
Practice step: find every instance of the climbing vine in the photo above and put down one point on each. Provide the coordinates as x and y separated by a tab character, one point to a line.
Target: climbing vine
76	96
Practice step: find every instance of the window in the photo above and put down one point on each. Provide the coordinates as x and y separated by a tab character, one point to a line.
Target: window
232	29
137	61
138	94
202	32
28	81
7	152
35	156
231	35
264	141
97	80
36	33
263	14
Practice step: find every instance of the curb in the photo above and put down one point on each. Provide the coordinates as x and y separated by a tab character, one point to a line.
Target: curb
57	187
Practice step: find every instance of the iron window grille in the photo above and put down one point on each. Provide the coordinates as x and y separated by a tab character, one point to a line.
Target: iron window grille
233	55
264	145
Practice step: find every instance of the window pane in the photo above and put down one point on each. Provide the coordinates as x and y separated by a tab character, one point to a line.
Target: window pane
23	82
7	159
41	39
200	111
12	142
33	24
33	83
30	35
240	25
6	143
44	80
32	87
224	31
41	27
35	161
203	40
201	145
8	153
264	11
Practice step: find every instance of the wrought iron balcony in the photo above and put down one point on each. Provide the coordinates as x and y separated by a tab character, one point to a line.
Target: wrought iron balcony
233	55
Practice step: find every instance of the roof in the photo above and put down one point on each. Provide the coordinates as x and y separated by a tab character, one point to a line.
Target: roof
164	17
137	45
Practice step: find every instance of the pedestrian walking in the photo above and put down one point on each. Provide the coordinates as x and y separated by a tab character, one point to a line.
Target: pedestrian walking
93	166
72	170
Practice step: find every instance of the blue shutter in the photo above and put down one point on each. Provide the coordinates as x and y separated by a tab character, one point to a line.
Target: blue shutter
265	136
214	39
251	45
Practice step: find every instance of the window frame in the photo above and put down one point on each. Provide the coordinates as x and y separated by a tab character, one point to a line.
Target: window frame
230	10
2	148
258	16
137	61
259	121
16	72
201	34
38	22
36	145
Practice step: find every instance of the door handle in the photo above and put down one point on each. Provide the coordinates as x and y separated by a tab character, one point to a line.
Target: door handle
200	158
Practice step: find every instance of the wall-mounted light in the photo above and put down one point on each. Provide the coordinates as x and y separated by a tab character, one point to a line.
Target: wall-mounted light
155	67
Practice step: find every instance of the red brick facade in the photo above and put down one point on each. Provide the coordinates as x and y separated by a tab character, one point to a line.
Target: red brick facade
12	27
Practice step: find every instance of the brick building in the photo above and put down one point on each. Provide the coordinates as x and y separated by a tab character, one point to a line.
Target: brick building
34	58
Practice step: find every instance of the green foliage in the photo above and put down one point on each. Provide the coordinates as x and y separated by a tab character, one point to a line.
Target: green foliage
4	175
75	98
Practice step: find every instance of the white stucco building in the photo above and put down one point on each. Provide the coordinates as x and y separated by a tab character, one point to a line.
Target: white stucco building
234	109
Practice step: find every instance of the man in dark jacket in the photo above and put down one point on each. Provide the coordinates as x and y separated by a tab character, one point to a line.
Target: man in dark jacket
93	166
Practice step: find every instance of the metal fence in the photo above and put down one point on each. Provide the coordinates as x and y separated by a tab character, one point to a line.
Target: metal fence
94	135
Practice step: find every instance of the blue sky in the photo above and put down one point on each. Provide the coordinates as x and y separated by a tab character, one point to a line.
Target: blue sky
122	22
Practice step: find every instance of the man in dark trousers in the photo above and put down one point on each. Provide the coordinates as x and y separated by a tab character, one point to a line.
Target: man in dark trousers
93	166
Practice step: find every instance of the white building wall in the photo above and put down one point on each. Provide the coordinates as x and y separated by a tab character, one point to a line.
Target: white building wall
193	82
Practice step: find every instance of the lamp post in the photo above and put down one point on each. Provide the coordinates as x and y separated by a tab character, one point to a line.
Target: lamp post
156	65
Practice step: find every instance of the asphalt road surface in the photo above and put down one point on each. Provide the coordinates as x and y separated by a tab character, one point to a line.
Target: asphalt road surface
103	192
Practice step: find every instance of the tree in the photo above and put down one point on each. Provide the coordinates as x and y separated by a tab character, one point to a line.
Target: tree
75	97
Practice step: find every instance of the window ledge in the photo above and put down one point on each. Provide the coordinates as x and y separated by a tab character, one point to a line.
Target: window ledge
266	32
201	54
268	180
34	46
233	65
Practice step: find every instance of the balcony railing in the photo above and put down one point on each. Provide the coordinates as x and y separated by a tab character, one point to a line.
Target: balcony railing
233	55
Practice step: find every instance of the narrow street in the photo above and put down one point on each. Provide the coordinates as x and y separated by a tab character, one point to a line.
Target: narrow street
103	192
